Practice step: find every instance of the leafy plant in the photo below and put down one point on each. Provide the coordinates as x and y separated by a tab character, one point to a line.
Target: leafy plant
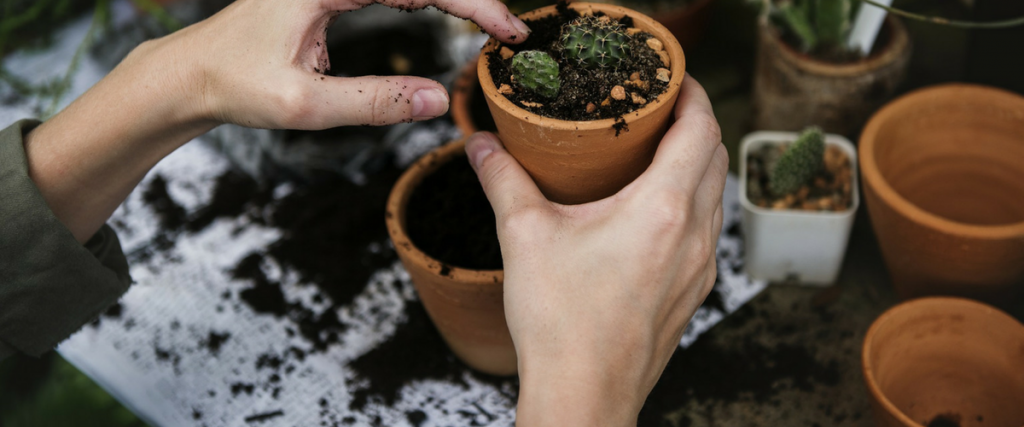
799	163
595	43
817	24
537	72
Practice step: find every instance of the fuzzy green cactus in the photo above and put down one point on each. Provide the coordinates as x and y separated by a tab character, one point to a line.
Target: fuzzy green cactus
817	22
799	163
594	43
537	72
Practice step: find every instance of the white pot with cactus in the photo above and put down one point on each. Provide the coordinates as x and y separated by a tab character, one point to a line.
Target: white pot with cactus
799	195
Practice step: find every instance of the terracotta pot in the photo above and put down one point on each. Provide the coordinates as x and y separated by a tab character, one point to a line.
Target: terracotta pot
468	107
793	90
688	23
948	357
578	162
466	305
943	172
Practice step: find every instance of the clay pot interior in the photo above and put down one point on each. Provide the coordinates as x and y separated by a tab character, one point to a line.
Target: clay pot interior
948	357
963	162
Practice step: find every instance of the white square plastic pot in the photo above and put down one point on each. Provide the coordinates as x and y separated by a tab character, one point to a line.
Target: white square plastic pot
796	245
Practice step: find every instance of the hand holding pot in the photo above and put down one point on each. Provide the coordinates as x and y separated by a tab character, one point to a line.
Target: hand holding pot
255	63
597	296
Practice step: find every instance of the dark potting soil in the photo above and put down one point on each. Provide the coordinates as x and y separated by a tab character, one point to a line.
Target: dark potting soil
945	420
415	352
581	86
449	218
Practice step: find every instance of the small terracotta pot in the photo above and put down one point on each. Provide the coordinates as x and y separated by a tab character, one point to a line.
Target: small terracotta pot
943	173
466	305
948	357
578	162
467	98
793	90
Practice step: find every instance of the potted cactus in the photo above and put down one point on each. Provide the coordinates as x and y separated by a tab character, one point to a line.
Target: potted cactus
583	103
799	196
809	70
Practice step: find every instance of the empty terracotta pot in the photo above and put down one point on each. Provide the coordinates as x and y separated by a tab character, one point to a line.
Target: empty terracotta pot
581	161
466	305
947	359
943	174
793	90
468	107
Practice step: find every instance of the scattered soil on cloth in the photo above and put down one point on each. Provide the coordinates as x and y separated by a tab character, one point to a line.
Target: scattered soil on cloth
416	352
829	190
709	371
449	218
581	86
945	420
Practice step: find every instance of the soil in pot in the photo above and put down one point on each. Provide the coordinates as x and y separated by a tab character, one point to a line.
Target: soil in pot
450	219
585	93
829	190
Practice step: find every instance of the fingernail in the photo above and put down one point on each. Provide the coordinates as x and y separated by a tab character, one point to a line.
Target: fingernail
479	146
520	25
429	103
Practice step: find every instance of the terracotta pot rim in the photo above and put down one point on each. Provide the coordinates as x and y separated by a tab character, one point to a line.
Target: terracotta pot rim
871	174
799	213
899	42
675	52
399	197
866	367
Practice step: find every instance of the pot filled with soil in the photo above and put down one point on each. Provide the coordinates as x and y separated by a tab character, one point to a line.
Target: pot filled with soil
944	183
799	196
942	362
806	75
468	105
444	232
583	103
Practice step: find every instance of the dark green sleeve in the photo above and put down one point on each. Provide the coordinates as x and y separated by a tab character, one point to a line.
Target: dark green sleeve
50	285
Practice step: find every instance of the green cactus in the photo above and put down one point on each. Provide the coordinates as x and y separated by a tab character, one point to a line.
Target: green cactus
817	22
799	163
594	43
537	72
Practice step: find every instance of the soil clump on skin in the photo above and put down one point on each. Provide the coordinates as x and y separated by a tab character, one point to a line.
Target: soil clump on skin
581	86
449	218
831	189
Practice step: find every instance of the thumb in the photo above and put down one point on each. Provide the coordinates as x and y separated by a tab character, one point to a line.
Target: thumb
370	100
507	185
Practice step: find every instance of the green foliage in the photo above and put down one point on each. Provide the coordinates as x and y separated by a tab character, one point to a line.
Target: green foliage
799	163
594	43
817	24
537	72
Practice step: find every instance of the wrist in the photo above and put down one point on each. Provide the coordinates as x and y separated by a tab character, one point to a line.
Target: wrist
568	391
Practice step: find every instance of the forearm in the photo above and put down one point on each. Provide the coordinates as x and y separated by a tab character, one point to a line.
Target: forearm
89	157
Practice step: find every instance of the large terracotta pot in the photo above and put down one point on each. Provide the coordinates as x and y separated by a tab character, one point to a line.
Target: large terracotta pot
943	173
466	305
578	162
793	90
945	357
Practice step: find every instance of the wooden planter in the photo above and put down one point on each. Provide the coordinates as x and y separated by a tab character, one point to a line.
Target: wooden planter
793	90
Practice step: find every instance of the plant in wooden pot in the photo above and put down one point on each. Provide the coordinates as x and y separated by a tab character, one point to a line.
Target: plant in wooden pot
799	196
444	231
810	71
584	101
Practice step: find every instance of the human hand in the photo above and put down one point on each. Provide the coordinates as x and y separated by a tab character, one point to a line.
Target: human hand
597	296
261	64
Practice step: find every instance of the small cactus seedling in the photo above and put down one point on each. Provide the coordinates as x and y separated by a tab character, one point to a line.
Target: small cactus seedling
595	43
799	163
537	72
